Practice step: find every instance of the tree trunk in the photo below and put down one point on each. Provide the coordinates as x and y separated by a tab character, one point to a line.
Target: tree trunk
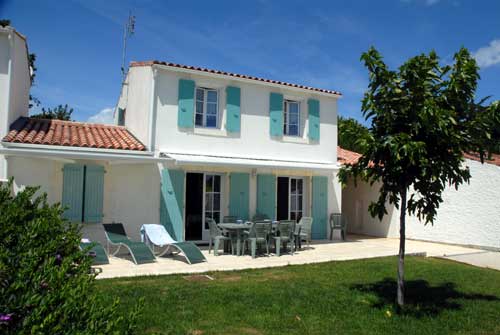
401	262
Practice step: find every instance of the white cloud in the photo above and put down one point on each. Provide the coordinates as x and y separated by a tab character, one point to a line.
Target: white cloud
490	55
104	116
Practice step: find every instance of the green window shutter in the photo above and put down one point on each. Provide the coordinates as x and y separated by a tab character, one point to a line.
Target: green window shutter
320	206
186	104
94	189
172	202
266	195
72	193
276	114
238	195
233	101
313	106
121	116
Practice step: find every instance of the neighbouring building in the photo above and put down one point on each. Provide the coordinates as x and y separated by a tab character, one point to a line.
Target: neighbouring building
190	143
467	216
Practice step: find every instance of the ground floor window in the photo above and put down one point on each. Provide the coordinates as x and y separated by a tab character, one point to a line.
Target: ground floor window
212	197
290	198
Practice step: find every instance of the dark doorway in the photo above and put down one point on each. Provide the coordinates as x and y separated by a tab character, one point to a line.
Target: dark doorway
283	192
194	206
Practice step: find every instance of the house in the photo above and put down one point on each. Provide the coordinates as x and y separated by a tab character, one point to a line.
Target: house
189	144
468	216
14	82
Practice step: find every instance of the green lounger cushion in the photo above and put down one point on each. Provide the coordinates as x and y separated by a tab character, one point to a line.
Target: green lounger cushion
115	233
191	252
97	250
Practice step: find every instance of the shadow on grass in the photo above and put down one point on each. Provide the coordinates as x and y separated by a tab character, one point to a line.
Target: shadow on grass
421	299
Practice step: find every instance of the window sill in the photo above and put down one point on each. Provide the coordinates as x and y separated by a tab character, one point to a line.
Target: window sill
295	139
210	131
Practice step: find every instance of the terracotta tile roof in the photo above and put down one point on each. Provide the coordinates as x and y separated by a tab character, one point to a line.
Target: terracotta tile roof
346	156
495	158
202	69
74	134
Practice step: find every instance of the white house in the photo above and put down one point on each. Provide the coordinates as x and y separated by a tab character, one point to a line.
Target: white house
468	216
190	143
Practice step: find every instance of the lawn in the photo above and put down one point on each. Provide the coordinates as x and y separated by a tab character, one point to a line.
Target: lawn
352	297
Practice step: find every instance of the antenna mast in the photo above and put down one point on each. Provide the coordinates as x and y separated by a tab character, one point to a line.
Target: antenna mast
128	31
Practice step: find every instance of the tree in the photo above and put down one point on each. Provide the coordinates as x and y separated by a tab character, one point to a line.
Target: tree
350	133
423	118
46	283
33	101
60	113
4	23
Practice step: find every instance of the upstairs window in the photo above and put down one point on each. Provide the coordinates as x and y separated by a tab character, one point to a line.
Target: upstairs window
207	107
291	119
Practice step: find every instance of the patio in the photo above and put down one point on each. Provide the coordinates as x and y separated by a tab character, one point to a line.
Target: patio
355	247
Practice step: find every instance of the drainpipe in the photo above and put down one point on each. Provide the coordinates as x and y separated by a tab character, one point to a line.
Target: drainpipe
152	110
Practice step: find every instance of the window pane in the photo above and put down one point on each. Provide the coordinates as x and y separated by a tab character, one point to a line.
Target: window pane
211	121
293	130
199	107
216	183
208	201
216	216
293	203
299	202
294	118
199	120
292	216
293	186
209	183
211	109
299	186
211	96
199	94
298	216
216	202
293	108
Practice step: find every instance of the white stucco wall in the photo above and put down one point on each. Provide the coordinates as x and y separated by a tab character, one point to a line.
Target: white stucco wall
254	135
14	83
467	216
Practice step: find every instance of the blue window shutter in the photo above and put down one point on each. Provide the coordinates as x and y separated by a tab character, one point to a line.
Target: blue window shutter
72	194
172	202
314	121
320	206
186	104
238	195
276	114
94	190
233	101
266	195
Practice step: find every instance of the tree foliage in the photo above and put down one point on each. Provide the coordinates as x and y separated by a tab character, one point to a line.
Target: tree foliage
351	133
46	285
4	22
59	112
423	118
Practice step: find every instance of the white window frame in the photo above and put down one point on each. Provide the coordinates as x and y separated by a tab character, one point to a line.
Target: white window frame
286	124
205	192
297	195
205	103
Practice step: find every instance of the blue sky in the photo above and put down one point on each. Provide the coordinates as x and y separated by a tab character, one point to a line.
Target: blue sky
317	43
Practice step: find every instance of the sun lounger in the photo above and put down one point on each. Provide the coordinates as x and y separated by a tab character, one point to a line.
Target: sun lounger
96	250
116	236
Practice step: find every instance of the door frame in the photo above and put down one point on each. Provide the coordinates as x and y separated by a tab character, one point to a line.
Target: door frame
303	178
204	232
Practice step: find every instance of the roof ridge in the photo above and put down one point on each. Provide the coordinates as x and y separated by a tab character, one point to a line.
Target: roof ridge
232	74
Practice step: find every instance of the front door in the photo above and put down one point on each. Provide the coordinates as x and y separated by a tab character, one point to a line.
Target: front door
290	196
203	200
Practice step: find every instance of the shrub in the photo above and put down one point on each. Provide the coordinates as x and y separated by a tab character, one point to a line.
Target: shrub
46	284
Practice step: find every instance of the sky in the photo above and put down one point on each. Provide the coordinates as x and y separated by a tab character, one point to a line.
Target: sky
317	43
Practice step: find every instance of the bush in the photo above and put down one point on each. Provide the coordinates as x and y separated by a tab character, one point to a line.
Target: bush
46	285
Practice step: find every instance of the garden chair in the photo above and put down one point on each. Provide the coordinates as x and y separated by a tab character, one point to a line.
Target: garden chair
116	236
96	251
216	236
157	235
258	235
337	222
305	230
284	236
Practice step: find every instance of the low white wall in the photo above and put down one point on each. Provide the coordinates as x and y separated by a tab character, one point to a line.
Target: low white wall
469	216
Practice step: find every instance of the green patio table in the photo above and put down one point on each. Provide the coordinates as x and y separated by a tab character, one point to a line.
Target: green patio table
238	228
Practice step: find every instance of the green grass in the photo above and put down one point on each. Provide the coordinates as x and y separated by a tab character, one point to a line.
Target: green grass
352	297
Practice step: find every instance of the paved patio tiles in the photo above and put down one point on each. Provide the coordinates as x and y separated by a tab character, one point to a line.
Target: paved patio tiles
485	259
356	247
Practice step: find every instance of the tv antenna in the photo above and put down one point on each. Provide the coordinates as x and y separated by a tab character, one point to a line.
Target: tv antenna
128	31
